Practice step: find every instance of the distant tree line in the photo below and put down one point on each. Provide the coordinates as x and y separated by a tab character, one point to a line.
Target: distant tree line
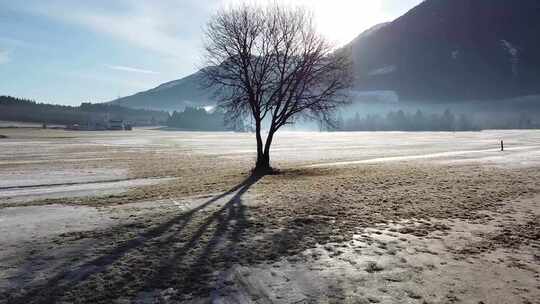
445	121
24	110
402	121
198	119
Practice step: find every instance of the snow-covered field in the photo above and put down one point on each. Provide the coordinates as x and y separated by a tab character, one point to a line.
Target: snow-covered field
53	164
136	214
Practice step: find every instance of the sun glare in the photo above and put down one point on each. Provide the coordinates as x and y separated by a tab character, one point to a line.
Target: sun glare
339	20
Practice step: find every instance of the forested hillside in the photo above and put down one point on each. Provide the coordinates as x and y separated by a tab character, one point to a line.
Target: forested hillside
17	109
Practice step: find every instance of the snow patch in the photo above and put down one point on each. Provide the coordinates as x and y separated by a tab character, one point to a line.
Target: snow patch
514	55
512	50
383	71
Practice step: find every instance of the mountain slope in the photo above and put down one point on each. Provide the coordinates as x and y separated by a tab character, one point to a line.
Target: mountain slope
173	95
441	50
454	50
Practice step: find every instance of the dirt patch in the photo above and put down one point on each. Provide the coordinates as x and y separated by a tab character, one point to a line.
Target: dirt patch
340	201
510	235
519	234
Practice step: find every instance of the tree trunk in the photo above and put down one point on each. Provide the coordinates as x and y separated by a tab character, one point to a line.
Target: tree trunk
263	164
263	153
263	161
267	146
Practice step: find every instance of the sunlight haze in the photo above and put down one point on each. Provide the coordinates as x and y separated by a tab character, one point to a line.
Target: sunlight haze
342	20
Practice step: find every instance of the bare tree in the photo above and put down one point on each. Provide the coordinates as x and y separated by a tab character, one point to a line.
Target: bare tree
271	65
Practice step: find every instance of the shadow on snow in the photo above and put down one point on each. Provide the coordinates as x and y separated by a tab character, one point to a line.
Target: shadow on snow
159	258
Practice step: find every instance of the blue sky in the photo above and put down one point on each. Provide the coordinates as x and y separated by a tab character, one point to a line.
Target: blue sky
73	51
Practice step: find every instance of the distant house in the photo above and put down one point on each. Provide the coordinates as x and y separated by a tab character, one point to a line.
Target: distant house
74	127
115	124
101	125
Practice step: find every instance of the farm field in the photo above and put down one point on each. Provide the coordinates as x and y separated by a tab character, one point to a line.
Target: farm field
153	216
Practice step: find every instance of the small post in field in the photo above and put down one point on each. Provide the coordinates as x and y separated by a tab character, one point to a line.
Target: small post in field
502	146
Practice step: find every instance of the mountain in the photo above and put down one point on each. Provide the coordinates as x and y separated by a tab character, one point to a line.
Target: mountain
449	50
170	96
440	51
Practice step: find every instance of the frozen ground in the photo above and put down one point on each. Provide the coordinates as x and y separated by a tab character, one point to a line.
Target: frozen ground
16	194
365	217
50	164
37	147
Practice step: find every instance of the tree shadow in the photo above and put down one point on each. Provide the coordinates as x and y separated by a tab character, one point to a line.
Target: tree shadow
223	227
157	257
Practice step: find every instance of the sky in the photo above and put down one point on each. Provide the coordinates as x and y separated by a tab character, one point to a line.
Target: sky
73	51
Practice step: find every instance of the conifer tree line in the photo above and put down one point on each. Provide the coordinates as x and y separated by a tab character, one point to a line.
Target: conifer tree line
24	110
402	121
431	121
199	119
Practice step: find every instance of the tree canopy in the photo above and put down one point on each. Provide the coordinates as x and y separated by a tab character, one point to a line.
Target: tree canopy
271	65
